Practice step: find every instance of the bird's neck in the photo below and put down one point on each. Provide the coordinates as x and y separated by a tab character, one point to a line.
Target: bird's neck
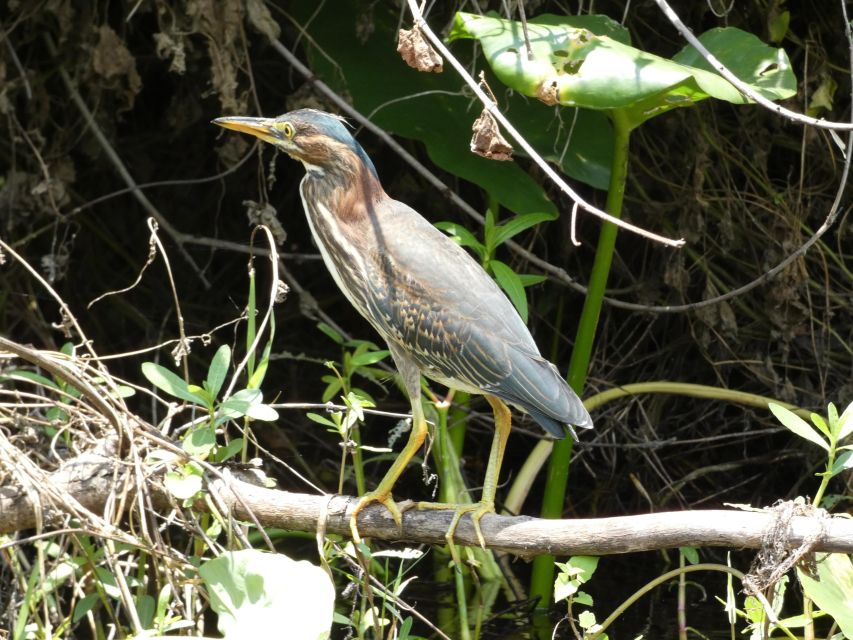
348	187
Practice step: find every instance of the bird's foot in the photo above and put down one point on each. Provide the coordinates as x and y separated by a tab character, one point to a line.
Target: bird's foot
477	511
382	497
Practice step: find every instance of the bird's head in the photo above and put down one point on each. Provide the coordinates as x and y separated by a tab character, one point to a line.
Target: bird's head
318	139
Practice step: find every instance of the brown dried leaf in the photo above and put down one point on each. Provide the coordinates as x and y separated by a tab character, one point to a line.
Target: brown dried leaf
417	52
488	141
111	59
167	46
261	19
222	22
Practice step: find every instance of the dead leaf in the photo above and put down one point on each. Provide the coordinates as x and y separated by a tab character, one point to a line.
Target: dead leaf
488	141
165	46
111	60
417	52
261	19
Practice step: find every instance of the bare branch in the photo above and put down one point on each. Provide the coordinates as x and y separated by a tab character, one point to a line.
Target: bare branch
519	535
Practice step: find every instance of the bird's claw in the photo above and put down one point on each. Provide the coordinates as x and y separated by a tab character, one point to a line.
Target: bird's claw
477	511
382	497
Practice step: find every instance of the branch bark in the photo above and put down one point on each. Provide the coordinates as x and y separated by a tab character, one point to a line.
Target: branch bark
519	535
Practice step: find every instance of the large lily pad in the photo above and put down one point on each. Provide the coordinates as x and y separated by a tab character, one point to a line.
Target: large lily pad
572	65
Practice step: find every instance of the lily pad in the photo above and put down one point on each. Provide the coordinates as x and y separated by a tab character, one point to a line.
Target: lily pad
572	65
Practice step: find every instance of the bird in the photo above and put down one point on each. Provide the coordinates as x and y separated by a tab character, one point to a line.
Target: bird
438	310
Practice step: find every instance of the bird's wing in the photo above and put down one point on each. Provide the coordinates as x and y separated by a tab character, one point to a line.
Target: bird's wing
452	318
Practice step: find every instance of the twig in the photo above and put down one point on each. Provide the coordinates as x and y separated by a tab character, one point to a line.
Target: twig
119	165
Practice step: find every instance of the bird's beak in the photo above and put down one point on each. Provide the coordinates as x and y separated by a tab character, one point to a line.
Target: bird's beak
259	127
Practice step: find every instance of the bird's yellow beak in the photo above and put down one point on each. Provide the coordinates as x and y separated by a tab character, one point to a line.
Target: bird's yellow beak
259	127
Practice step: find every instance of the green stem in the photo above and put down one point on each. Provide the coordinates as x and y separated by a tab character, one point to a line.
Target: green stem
457	419
662	580
542	581
539	455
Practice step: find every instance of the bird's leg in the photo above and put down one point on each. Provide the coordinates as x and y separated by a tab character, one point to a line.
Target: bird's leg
382	493
503	425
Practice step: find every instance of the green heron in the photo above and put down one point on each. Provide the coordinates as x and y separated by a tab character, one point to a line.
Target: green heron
439	311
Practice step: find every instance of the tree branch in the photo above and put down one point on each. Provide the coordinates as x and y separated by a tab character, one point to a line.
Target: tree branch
518	535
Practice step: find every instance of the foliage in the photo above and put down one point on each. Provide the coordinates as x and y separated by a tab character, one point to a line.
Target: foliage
253	592
744	188
589	63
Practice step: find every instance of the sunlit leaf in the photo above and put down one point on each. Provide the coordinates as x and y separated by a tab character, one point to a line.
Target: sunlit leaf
170	383
574	66
218	370
833	591
516	225
253	592
797	425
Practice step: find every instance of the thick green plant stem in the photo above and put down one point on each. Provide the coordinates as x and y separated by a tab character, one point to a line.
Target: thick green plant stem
542	581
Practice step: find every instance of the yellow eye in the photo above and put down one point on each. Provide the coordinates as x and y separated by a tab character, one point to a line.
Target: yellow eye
286	128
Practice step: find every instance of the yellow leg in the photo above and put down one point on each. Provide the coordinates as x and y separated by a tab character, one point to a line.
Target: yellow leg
382	493
503	425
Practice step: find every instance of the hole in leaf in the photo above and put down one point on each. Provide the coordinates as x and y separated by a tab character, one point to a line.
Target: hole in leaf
770	68
561	53
512	50
573	66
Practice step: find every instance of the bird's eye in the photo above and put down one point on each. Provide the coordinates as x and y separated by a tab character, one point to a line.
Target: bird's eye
286	128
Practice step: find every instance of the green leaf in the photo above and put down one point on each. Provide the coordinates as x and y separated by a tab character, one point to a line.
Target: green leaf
262	412
84	606
691	554
239	402
218	370
229	450
845	423
820	423
586	619
260	372
842	462
30	376
777	25
170	383
331	332
833	591
530	279
332	388
516	225
145	607
574	66
795	423
463	237
253	592
511	284
586	566
316	417
200	441
122	391
564	587
248	402
368	358
182	486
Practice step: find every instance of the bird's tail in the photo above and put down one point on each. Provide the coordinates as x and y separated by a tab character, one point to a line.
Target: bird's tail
538	388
